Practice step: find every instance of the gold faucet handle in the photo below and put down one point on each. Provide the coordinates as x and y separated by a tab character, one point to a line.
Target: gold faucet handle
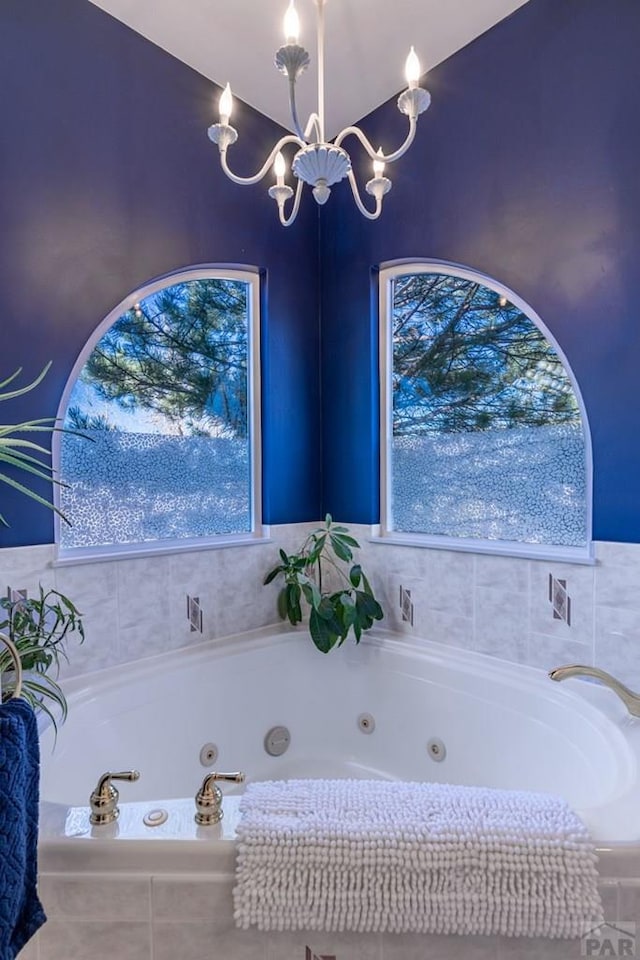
231	777
209	798
104	799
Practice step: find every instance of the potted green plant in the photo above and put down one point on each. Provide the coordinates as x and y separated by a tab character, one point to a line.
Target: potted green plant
326	560
40	628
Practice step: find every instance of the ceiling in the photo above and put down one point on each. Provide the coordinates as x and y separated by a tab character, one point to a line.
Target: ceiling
367	42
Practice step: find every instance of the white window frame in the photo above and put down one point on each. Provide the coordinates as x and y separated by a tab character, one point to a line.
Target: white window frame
385	532
258	532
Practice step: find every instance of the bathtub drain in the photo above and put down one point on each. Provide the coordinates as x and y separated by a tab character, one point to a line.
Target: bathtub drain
155	818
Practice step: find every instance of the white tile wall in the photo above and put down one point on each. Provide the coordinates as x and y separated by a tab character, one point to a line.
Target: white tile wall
94	940
342	946
26	567
448	576
546	651
500	606
188	899
618	580
30	952
580	581
500	623
616	641
95	896
190	917
136	607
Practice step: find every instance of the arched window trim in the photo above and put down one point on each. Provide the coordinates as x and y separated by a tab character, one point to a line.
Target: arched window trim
384	532
259	533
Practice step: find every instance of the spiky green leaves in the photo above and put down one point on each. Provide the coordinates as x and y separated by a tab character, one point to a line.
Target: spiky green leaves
23	454
40	627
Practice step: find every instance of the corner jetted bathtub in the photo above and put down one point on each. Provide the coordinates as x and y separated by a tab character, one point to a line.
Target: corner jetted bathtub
494	724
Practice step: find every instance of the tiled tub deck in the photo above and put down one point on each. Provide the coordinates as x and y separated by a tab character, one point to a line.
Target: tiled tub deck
189	916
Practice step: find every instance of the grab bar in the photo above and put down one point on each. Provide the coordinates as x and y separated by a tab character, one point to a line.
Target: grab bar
17	664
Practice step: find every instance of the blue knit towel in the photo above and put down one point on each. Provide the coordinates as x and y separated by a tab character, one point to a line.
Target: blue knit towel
21	913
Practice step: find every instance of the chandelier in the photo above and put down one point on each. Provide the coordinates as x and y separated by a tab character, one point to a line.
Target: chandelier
319	162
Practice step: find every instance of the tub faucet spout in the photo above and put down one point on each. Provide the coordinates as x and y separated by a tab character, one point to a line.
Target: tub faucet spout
630	699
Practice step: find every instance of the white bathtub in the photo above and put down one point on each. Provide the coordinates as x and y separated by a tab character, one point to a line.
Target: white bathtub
502	725
157	893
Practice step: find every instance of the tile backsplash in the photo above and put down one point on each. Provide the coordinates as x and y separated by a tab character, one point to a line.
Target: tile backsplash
136	607
500	605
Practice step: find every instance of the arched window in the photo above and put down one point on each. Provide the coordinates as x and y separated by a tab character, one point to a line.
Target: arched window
485	442
164	402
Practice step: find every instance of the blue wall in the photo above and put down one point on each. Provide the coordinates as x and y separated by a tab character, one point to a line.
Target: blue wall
107	179
526	167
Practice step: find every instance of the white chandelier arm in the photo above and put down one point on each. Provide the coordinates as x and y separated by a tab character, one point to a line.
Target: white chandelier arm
294	109
313	126
384	158
247	181
359	204
313	123
287	221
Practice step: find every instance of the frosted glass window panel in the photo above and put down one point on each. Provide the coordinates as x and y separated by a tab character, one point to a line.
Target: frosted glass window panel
488	440
163	399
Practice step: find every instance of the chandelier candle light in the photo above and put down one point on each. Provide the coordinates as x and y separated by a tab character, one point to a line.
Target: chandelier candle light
319	162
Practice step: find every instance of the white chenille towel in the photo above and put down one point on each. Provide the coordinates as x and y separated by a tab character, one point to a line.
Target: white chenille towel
375	855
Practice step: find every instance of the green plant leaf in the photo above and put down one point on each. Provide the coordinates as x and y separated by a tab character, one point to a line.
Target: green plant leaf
17	452
18	447
325	609
341	549
43	425
349	612
343	538
368	605
318	547
10	379
293	602
272	575
283	606
321	634
22	390
311	592
29	493
23	462
332	616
